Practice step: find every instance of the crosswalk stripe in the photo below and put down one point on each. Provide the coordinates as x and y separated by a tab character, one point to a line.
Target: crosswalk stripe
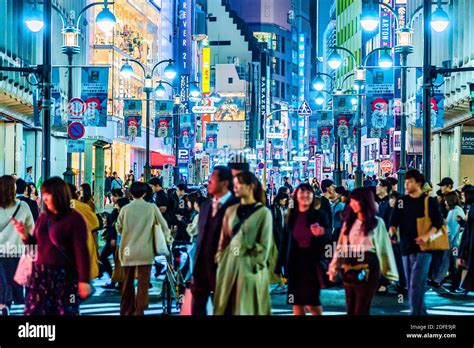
457	308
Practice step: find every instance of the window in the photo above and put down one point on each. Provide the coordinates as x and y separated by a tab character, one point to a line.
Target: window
283	68
230	81
283	47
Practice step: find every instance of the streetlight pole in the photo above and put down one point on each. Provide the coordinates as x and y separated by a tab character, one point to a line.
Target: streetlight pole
46	161
427	89
127	71
265	145
69	174
359	172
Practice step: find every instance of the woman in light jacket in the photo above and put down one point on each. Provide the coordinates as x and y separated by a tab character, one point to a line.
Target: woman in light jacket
136	223
244	254
363	252
11	244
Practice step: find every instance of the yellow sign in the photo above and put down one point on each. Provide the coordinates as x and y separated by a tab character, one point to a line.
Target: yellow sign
206	70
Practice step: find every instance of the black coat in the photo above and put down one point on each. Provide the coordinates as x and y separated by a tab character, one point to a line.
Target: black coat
199	259
318	244
32	204
466	250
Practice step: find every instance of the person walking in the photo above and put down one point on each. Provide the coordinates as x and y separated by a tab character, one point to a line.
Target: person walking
92	223
328	196
22	195
305	236
242	279
11	210
116	183
209	229
466	249
408	209
136	223
383	190
62	255
363	252
339	206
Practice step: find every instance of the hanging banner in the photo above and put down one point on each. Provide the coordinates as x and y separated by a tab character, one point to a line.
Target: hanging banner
325	140
343	114
313	129
132	113
186	134
211	136
342	124
380	102
163	126
164	108
437	102
58	112
94	92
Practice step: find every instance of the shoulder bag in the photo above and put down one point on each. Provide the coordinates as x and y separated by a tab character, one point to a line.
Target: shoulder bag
159	242
439	240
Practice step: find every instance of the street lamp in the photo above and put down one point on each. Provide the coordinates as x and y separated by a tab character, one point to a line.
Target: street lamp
126	71
439	19
319	99
194	90
369	19
318	83
105	20
170	72
360	78
160	90
385	59
34	20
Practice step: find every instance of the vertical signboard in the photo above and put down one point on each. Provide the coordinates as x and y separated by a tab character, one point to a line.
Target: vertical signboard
206	70
185	50
301	90
264	89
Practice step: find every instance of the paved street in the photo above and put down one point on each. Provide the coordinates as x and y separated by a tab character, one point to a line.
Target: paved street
108	303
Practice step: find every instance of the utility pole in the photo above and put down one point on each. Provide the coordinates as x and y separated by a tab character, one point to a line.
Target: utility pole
46	159
427	89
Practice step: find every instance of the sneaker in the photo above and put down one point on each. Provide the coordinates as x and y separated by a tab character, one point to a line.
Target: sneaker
4	311
382	290
280	289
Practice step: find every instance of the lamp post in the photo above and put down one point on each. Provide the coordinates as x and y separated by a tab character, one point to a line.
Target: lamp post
126	72
439	22
105	20
334	61
319	85
267	116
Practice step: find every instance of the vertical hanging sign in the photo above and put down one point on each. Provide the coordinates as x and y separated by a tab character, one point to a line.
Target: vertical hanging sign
94	93
185	50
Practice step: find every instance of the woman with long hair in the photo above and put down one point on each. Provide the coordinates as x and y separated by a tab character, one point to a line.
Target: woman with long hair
62	256
304	238
363	251
33	194
244	253
11	210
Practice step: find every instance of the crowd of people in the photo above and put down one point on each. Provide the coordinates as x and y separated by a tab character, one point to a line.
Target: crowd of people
240	238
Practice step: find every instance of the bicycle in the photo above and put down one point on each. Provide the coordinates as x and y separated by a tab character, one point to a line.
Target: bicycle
174	284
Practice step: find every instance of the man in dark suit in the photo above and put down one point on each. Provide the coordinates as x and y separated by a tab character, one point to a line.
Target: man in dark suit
21	194
209	229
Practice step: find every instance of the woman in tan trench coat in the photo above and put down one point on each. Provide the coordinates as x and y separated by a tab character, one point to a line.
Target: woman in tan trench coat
244	256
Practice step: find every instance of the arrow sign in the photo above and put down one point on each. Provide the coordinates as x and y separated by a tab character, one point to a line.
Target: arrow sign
304	109
76	130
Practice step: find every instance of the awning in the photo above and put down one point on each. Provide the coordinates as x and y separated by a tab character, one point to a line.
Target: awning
159	160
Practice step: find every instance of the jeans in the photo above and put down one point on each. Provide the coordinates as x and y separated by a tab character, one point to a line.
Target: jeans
417	267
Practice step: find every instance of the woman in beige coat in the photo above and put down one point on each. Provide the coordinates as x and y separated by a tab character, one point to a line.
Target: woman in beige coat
244	253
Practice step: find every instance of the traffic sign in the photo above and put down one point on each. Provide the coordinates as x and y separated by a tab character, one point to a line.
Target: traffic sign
76	107
76	130
304	109
261	165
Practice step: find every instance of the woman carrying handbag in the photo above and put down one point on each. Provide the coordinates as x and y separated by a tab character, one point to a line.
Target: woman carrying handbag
363	252
62	255
11	245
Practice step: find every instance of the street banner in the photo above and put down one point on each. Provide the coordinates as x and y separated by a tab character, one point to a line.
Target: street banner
186	134
164	108
313	129
380	101
437	102
342	124
230	109
384	149
277	149
60	119
132	113
94	92
325	140
164	127
211	136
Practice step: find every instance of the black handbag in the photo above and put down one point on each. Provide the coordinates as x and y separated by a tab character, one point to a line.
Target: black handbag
355	275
